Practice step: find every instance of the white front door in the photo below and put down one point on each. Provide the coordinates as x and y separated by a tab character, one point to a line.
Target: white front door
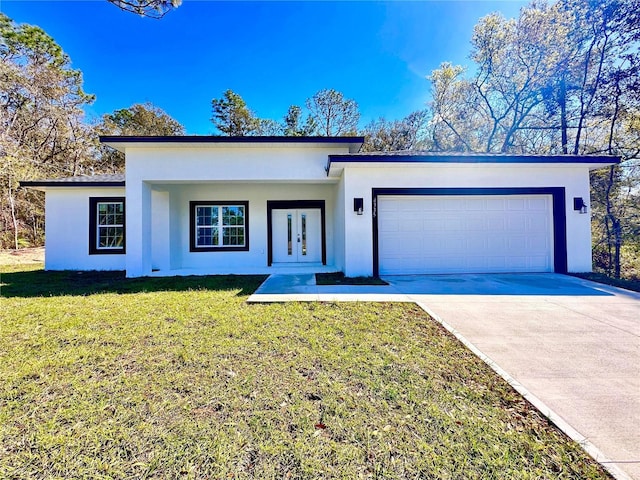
297	236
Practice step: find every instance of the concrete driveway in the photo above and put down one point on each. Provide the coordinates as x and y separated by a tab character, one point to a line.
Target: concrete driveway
572	346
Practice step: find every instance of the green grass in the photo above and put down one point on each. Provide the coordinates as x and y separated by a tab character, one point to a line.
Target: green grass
180	378
339	279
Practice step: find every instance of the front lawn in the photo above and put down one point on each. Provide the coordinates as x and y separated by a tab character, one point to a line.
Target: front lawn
103	377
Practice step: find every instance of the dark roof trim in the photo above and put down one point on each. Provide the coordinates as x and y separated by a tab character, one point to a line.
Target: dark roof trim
221	139
435	157
47	183
104	180
470	158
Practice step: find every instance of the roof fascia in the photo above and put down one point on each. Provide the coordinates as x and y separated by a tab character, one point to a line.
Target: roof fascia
120	142
595	161
45	184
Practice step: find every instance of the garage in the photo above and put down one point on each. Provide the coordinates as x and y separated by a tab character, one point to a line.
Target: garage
465	233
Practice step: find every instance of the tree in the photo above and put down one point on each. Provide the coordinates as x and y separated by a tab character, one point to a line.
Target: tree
139	119
42	132
268	127
147	8
294	126
517	63
509	104
232	117
406	134
561	78
333	114
605	104
456	120
615	204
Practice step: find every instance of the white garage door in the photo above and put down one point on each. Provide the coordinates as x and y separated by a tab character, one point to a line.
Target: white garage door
465	234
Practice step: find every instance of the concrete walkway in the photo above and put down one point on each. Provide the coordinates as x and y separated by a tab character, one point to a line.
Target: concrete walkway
570	346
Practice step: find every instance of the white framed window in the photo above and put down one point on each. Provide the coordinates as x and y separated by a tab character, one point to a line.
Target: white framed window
217	226
106	225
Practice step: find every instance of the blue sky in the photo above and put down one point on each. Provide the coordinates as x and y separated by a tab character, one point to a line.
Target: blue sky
274	54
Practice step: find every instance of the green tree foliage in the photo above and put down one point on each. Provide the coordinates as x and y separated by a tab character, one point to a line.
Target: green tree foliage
329	114
42	132
139	119
408	133
333	114
147	8
232	117
294	125
270	128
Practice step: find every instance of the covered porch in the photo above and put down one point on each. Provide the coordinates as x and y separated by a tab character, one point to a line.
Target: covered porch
206	228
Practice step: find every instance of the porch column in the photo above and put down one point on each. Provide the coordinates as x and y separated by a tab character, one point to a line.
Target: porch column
138	228
160	231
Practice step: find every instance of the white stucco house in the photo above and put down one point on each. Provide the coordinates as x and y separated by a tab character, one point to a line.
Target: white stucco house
213	205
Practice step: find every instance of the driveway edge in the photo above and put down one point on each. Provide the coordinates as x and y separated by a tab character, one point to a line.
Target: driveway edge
538	404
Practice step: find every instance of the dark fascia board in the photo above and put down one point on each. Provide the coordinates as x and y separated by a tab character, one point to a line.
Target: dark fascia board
50	183
472	158
226	139
126	139
392	158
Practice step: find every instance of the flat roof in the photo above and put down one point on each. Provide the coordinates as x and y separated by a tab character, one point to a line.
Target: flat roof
120	142
422	157
103	180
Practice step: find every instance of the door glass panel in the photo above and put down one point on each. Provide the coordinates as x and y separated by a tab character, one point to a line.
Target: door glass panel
304	233
289	244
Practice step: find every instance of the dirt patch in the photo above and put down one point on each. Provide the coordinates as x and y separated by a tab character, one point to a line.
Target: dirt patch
22	255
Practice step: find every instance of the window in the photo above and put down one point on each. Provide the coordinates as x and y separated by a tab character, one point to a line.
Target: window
106	225
219	226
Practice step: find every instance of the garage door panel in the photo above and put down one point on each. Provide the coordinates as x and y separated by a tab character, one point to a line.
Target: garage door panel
472	206
496	243
538	244
474	234
456	204
392	225
538	263
538	204
477	223
538	223
496	224
495	204
496	264
517	204
516	224
477	246
453	224
431	224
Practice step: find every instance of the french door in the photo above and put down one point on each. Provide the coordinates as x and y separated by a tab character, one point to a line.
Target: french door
297	235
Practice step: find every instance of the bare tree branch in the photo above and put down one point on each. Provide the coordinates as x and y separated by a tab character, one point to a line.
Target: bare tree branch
147	8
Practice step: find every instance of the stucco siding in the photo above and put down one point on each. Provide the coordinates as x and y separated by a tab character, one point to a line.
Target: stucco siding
360	181
219	163
67	230
339	224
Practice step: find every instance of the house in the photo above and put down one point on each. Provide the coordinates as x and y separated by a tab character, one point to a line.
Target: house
217	205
